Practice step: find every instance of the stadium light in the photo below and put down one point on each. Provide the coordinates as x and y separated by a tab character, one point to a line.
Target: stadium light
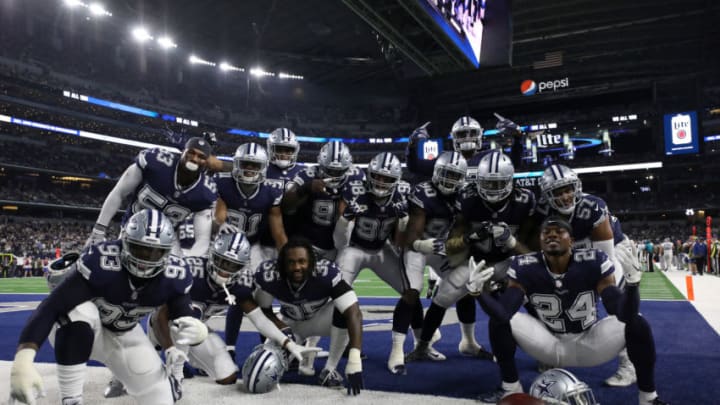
141	34
283	75
226	67
166	42
259	72
98	10
198	61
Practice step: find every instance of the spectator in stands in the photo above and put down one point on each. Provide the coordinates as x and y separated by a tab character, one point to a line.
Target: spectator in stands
700	254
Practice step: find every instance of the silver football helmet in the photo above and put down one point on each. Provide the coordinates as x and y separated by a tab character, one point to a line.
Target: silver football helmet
60	268
250	164
283	147
384	173
264	368
449	172
146	242
555	178
495	177
466	134
334	161
229	256
559	386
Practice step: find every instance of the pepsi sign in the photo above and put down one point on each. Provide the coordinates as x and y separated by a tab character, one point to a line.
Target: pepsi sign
681	133
530	87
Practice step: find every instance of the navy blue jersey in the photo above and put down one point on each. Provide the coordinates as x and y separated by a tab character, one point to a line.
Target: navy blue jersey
186	232
618	234
565	303
439	209
303	303
374	220
317	216
159	189
248	213
590	212
120	305
280	178
472	166
479	216
208	296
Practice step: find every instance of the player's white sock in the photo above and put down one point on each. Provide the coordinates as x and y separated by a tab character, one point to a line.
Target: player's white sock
71	380
339	338
468	333
397	354
646	397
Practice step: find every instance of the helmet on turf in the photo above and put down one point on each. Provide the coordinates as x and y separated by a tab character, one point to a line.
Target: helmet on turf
559	386
263	368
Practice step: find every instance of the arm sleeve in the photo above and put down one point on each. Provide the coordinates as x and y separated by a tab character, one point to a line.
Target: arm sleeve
233	320
179	306
623	304
607	246
202	223
266	327
419	166
503	308
125	186
73	291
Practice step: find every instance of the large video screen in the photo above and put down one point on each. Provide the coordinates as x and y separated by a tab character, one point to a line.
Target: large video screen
681	133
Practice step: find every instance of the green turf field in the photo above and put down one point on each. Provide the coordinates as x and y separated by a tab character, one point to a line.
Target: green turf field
654	286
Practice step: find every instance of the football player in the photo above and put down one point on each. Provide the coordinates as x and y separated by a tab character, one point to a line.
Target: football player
561	285
376	214
283	148
493	222
248	204
220	281
315	195
593	226
95	313
314	301
667	254
176	185
432	214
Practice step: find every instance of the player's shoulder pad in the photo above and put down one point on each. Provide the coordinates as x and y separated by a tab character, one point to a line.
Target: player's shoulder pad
179	272
328	271
266	272
521	263
100	262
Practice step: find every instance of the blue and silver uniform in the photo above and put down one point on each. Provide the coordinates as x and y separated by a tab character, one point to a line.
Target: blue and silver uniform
301	304
589	212
374	221
186	232
209	298
280	178
479	216
568	302
159	189
439	209
317	216
249	213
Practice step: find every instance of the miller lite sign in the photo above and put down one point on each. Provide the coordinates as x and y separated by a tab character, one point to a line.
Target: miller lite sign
681	129
681	133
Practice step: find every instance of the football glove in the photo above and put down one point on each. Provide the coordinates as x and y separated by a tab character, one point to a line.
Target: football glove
419	133
225	227
25	382
174	361
626	254
187	330
479	276
503	237
506	126
353	372
96	236
297	351
428	246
